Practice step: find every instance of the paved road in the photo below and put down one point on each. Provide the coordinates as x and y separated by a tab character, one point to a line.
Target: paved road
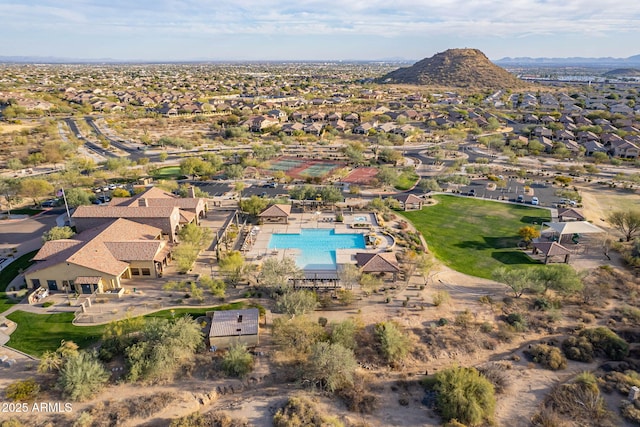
90	145
16	232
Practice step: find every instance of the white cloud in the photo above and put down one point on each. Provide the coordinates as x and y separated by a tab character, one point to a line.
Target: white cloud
471	20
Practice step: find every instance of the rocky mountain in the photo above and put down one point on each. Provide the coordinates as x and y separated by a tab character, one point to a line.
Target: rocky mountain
463	68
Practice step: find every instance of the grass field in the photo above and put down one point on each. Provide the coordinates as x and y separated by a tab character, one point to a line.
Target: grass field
5	302
167	172
406	180
37	333
475	236
12	270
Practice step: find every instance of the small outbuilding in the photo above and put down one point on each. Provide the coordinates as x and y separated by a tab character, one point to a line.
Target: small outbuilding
410	202
384	262
276	214
234	326
569	214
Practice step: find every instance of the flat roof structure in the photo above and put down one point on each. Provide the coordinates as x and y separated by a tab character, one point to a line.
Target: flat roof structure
234	323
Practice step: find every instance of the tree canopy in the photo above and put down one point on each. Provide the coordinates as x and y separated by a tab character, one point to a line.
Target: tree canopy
626	222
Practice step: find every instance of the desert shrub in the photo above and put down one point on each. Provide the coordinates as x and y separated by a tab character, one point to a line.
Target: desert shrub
47	304
237	362
82	376
578	348
465	395
631	312
322	321
542	304
12	422
621	381
394	344
495	373
441	297
454	423
358	397
580	401
517	321
486	327
547	417
442	322
121	412
210	419
301	412
548	356
464	319
486	299
630	411
606	341
23	391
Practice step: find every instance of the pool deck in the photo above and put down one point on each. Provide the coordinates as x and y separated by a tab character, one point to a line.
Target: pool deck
259	250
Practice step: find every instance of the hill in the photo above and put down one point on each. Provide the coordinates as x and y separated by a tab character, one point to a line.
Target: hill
623	72
464	68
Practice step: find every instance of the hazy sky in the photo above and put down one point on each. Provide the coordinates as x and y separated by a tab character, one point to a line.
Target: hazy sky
316	29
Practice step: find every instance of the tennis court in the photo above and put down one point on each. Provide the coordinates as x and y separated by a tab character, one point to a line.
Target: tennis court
301	168
285	165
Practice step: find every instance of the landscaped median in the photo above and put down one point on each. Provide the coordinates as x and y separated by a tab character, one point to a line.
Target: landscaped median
475	236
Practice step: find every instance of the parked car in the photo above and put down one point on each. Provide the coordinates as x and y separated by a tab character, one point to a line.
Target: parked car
520	199
535	201
472	192
49	203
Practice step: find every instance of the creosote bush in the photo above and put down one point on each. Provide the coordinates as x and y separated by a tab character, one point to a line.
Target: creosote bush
578	348
463	394
548	356
607	342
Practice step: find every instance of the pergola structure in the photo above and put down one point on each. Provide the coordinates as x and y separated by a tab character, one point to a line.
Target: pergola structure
573	228
384	262
551	249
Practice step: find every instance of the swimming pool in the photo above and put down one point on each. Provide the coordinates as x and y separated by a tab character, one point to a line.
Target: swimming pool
317	246
361	218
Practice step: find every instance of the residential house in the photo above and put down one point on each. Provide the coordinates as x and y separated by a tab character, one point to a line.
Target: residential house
98	259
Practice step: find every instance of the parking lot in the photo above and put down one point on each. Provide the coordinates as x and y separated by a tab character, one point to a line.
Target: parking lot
546	193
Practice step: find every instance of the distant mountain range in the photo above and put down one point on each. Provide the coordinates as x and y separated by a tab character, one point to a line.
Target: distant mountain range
565	62
53	60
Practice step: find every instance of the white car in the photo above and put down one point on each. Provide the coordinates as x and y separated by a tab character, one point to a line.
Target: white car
535	201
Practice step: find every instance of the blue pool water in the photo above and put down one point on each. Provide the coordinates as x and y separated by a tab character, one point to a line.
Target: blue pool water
317	246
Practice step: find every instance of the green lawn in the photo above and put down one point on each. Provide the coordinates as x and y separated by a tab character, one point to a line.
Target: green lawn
5	302
167	172
12	270
406	180
475	236
37	333
196	312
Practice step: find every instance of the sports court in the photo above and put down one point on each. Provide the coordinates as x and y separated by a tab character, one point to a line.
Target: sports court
301	168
